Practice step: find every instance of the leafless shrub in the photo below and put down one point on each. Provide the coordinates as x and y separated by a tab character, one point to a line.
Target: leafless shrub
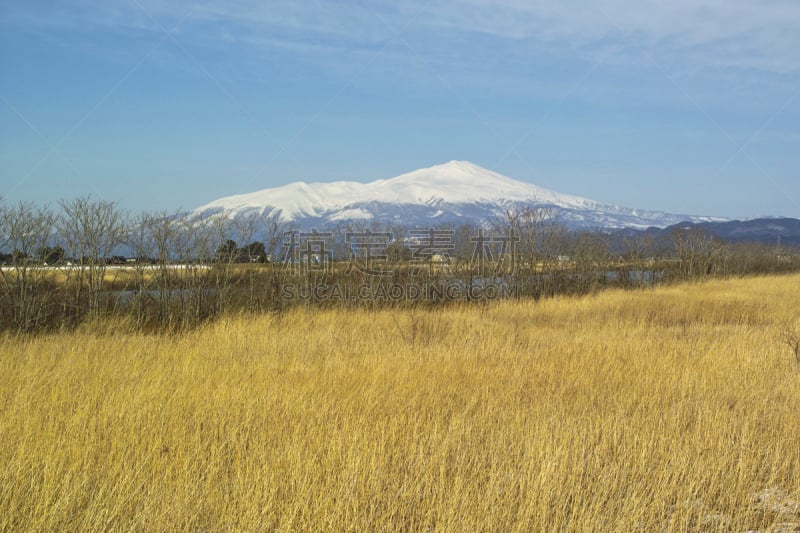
421	329
790	335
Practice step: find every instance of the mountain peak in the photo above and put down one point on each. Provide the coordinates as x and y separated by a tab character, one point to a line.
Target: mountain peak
458	172
454	167
457	164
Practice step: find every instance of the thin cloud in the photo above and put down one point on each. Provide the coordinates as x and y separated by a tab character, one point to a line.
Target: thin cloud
741	34
722	33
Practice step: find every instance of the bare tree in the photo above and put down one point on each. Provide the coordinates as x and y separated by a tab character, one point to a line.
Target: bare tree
194	246
589	261
168	269
247	229
141	241
160	237
91	230
220	231
697	251
463	247
636	265
540	258
25	230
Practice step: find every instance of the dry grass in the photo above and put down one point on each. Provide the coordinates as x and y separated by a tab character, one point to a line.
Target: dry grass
674	409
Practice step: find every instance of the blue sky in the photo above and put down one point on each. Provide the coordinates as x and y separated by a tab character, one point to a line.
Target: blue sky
688	106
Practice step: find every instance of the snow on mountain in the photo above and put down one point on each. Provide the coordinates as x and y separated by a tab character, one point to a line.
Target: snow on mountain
458	191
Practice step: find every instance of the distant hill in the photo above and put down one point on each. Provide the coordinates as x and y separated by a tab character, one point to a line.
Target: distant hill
775	231
784	231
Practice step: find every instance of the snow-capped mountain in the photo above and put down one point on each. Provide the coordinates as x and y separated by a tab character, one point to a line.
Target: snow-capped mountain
454	192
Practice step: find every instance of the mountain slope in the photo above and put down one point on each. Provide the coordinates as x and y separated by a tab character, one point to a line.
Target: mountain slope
458	191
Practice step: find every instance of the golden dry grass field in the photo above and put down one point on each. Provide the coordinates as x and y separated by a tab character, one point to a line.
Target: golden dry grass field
672	409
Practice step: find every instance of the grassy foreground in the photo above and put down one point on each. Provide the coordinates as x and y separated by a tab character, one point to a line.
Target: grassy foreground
676	408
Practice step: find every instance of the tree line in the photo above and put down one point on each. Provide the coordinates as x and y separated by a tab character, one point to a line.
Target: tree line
88	259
